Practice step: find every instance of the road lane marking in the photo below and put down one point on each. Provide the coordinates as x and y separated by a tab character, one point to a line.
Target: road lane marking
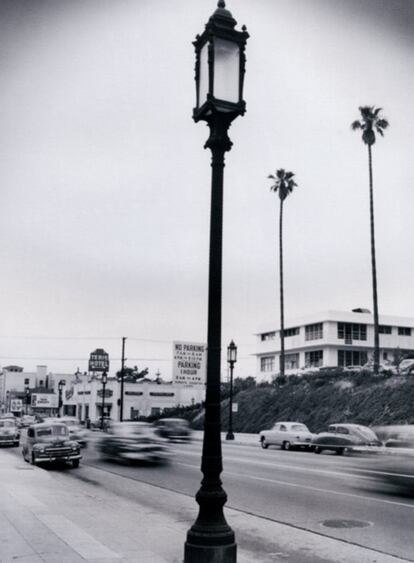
314	489
305	469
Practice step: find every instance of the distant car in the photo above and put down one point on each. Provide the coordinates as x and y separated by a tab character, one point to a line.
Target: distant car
49	442
353	368
406	366
344	438
174	429
9	432
382	367
76	432
26	420
287	435
133	441
394	472
97	423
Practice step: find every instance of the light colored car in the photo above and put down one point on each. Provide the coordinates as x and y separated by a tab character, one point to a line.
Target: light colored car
406	366
49	442
287	435
76	432
9	432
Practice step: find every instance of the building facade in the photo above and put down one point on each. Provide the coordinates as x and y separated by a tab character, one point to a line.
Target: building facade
331	339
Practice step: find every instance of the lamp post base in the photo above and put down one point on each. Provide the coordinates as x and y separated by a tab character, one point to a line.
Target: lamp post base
229	436
210	554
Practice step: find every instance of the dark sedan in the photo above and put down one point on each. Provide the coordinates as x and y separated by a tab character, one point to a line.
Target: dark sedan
345	438
49	442
174	429
133	441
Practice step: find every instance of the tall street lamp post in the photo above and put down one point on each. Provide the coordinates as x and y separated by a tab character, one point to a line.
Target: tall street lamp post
219	74
104	380
121	400
26	397
231	359
61	384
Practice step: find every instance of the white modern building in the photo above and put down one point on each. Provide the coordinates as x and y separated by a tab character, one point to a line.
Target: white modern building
332	338
141	398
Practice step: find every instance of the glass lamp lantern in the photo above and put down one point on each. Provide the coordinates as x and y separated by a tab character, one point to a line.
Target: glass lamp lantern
220	67
104	378
232	353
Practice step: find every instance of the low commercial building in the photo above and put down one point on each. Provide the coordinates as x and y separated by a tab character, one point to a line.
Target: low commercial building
141	398
330	339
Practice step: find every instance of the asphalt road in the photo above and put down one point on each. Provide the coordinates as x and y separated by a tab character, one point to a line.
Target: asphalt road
330	495
327	494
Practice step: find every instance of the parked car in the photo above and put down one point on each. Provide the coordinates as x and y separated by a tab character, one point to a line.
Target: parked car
49	442
9	432
406	366
76	432
97	423
174	429
382	367
287	435
344	438
133	441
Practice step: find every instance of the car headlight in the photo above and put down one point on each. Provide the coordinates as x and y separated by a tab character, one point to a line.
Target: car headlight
75	448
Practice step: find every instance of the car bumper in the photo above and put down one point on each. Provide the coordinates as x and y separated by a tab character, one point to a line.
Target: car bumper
56	459
8	441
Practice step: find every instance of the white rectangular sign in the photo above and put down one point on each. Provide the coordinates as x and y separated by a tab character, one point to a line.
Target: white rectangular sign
234	407
16	405
189	363
44	400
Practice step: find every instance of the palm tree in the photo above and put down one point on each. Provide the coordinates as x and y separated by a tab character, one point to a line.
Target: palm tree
370	123
284	184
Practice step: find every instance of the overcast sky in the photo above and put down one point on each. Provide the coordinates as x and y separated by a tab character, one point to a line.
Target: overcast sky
105	185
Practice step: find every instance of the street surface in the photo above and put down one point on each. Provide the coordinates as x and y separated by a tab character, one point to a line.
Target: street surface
329	495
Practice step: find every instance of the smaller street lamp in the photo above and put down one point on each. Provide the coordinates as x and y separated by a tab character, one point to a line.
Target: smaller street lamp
231	359
26	397
61	384
104	380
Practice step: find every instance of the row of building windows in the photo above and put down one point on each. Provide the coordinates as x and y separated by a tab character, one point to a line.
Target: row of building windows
346	331
352	358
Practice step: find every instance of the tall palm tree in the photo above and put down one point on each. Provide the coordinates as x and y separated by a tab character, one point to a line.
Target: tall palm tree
284	184
370	123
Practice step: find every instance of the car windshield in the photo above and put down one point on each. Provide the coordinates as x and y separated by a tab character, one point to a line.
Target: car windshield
7	423
52	431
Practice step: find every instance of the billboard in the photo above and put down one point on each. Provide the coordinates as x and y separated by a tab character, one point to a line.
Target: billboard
44	401
16	405
189	363
99	361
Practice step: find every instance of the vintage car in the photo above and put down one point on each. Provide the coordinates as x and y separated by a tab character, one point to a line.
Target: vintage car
76	432
174	429
9	432
49	442
345	438
133	441
394	472
287	435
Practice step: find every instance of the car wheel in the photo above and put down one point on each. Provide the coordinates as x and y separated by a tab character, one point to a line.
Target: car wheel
265	445
286	446
75	463
317	450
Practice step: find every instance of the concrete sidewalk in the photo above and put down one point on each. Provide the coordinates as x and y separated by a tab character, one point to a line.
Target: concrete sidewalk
86	514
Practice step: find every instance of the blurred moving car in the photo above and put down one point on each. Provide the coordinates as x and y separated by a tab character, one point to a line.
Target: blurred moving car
76	432
49	442
174	429
345	438
397	435
9	432
26	420
394	472
133	441
287	435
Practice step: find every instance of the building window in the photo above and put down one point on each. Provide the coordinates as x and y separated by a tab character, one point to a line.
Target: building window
314	359
27	381
268	336
292	361
404	331
352	358
352	331
291	331
385	329
267	363
314	332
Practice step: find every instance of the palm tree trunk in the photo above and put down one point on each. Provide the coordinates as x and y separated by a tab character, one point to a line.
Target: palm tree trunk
373	265
282	320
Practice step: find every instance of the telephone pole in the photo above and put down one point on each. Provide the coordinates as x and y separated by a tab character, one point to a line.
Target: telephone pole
121	409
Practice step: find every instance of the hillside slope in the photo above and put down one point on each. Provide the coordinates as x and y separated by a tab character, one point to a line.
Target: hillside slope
321	400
